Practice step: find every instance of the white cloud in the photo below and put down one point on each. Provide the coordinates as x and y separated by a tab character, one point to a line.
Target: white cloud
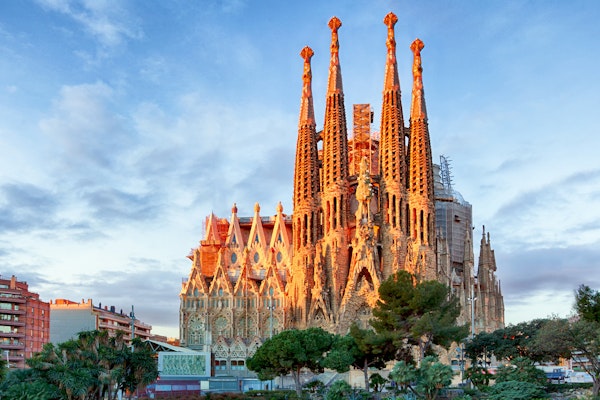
107	21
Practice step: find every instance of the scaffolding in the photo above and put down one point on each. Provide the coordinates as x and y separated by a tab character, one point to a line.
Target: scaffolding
363	143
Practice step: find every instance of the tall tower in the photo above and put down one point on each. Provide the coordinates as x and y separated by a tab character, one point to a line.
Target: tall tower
489	306
306	199
334	194
421	248
392	161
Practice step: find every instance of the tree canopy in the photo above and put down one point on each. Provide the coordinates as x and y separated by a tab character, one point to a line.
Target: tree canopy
93	366
424	381
362	349
417	313
513	341
587	303
289	352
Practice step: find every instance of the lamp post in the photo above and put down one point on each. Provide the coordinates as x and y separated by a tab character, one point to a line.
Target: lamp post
132	316
472	301
270	308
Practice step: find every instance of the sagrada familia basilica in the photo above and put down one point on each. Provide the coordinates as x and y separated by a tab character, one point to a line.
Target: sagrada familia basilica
364	207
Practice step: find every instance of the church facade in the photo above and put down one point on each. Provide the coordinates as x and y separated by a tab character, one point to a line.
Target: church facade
364	207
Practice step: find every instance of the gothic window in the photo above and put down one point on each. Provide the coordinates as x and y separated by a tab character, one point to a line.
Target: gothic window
220	326
195	292
233	258
256	257
279	257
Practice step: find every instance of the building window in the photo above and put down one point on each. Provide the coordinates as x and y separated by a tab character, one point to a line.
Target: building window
220	365
237	365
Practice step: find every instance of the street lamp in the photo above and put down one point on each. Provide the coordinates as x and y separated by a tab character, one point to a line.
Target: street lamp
132	316
472	301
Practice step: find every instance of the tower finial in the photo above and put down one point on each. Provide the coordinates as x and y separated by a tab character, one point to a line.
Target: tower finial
418	110
390	20
307	113
334	25
335	74
416	48
391	80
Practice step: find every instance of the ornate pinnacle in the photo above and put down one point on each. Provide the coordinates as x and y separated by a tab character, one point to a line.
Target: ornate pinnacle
418	110
390	20
416	48
307	54
334	25
306	107
335	74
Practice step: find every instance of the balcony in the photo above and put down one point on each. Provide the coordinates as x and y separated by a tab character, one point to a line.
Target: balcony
11	335
10	299
7	322
12	312
12	346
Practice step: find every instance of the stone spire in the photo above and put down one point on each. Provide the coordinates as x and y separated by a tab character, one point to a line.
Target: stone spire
307	112
305	198
306	171
335	72
335	135
392	158
420	179
421	165
417	109
334	184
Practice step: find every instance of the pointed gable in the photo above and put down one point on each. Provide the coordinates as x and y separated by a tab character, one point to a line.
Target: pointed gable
272	280
221	281
235	239
280	237
256	239
245	285
213	235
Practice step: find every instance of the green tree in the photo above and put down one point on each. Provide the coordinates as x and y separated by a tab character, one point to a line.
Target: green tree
515	390
425	381
420	314
481	347
377	382
94	366
521	369
289	352
587	303
478	375
27	384
514	341
140	367
361	349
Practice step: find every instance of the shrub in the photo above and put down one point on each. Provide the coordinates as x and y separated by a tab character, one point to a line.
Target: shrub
516	390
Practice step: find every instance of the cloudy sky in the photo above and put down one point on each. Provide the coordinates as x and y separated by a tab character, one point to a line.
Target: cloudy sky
124	123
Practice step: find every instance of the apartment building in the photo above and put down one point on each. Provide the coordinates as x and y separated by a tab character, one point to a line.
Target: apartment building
68	318
24	322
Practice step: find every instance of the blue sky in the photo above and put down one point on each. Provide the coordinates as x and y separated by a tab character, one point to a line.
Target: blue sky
124	123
